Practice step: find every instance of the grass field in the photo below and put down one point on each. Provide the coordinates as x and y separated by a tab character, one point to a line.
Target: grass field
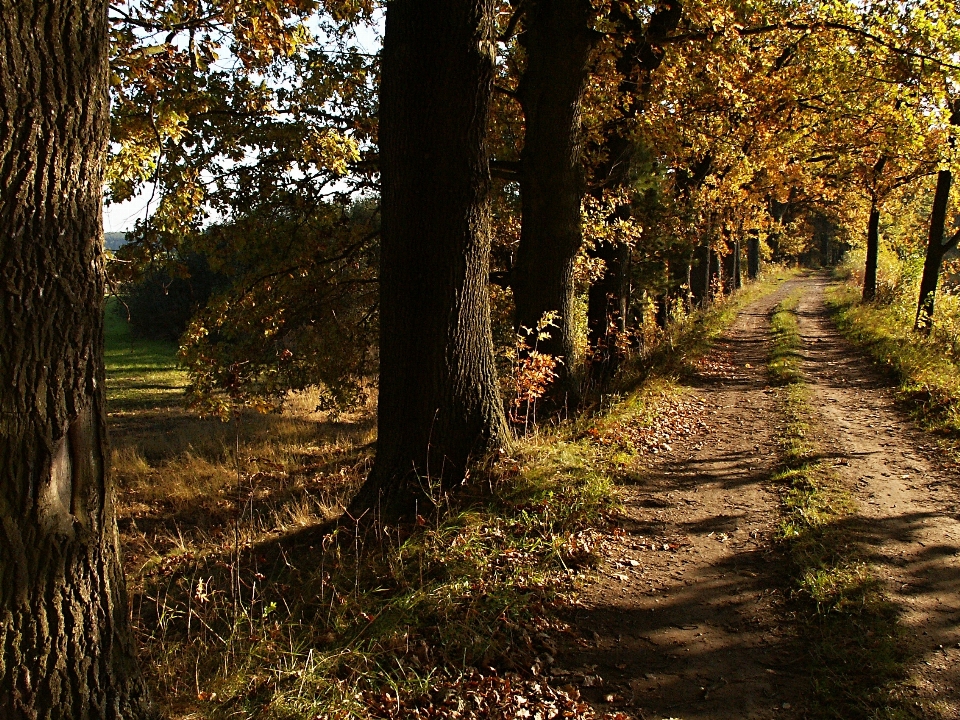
140	373
927	368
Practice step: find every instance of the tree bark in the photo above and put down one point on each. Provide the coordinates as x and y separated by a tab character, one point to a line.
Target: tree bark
753	256
873	253
737	273
558	41
67	645
439	403
936	249
700	276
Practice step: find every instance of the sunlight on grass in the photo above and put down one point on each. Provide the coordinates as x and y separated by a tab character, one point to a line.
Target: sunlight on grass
927	368
140	373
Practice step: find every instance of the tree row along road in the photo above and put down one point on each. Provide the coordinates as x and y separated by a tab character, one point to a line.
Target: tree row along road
694	614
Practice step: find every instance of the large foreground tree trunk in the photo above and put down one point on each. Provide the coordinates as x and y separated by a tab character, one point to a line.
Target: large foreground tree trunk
67	648
439	403
558	41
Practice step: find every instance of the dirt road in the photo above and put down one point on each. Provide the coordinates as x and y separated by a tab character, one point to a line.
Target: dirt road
908	506
690	618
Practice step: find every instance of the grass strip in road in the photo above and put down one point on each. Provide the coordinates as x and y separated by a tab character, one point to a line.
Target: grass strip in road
927	368
849	628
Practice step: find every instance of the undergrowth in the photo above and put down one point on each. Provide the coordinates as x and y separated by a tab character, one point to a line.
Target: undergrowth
850	629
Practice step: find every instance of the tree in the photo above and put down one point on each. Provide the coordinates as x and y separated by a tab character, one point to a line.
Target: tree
67	643
937	245
439	403
558	40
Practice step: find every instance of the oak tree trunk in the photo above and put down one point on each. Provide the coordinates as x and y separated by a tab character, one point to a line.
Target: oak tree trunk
753	256
439	403
936	249
873	253
558	41
67	647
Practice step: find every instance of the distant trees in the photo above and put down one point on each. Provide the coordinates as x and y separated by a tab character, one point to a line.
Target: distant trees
67	646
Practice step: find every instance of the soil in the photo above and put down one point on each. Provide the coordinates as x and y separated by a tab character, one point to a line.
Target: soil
690	617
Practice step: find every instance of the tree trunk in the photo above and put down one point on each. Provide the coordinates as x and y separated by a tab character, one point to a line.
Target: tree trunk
737	274
558	43
715	278
873	253
439	403
700	276
935	252
753	256
607	312
67	646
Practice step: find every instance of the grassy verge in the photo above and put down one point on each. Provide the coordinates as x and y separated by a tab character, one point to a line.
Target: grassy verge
251	601
925	367
849	628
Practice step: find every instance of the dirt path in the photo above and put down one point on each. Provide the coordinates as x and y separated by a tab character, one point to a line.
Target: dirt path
691	630
907	507
687	619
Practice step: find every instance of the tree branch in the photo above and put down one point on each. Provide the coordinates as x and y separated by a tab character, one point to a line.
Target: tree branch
505	169
512	24
704	35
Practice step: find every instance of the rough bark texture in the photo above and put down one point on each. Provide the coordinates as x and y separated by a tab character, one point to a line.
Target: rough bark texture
67	649
439	403
558	41
873	253
753	256
936	249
